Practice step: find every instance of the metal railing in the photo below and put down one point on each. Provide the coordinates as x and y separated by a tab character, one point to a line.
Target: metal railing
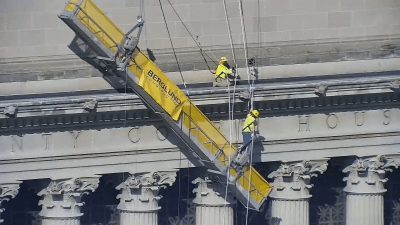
213	148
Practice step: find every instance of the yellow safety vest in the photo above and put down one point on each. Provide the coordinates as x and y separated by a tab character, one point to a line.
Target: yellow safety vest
221	71
249	123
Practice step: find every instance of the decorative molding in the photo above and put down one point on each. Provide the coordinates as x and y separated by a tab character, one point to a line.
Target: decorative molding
138	180
80	185
367	175
111	110
62	198
292	181
90	105
10	111
139	193
321	90
8	191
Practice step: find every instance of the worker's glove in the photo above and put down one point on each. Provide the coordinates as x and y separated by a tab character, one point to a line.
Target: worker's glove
233	69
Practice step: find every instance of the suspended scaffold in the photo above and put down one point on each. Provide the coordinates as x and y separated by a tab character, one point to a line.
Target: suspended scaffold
118	52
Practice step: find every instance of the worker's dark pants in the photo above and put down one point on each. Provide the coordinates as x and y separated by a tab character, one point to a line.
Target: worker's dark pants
246	137
219	82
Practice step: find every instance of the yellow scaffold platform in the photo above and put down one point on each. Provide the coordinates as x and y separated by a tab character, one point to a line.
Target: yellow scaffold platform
160	94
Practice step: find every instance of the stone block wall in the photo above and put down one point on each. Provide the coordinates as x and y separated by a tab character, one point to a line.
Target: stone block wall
278	31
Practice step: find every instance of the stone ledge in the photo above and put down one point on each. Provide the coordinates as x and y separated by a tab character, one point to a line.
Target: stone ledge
280	53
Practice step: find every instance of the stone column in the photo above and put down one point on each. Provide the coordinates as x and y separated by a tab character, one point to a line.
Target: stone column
213	206
61	203
291	191
365	189
139	197
7	192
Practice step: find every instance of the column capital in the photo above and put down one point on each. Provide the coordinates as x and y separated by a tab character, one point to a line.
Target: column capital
8	191
366	175
139	193
292	180
81	185
148	179
62	197
211	193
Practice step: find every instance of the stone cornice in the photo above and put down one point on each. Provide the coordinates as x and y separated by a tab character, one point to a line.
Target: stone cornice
282	98
121	113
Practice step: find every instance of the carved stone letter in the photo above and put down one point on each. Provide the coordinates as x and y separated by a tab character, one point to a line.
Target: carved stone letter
133	135
17	143
162	133
332	121
386	114
47	138
359	118
305	121
75	134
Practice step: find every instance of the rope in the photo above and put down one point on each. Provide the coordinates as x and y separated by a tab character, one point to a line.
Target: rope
230	33
251	96
145	27
173	49
141	8
195	41
230	108
179	184
184	84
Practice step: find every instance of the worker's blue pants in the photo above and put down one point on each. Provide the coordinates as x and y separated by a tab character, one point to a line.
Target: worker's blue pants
246	137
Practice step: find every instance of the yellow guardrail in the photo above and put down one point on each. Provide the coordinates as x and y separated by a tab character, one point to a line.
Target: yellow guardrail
169	96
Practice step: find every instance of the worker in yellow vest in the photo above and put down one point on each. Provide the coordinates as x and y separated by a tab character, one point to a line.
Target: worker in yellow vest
223	73
243	154
248	127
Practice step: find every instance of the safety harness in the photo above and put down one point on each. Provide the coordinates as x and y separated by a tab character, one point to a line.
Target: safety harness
218	76
248	126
